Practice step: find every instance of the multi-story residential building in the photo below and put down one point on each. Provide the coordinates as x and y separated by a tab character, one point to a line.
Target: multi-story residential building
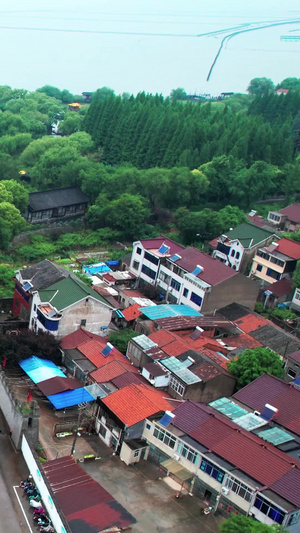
54	300
231	468
188	276
237	248
148	255
276	261
287	219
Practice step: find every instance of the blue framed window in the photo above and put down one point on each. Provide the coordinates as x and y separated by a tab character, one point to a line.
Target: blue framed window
259	268
212	470
273	274
265	507
139	251
151	258
196	299
175	285
185	293
149	272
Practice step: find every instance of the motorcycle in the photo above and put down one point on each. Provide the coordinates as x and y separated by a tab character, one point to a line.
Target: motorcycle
45	521
24	482
36	497
38	512
47	529
35	504
40	516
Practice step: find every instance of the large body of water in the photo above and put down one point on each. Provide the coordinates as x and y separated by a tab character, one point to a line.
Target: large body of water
150	45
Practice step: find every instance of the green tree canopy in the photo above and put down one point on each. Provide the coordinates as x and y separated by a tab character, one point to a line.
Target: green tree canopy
251	364
120	339
260	86
19	347
290	83
245	524
18	193
296	275
178	94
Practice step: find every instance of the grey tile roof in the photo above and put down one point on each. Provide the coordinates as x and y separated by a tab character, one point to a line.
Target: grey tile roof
276	339
54	198
43	274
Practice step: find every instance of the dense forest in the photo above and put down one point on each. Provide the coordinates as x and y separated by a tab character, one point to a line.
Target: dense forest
149	163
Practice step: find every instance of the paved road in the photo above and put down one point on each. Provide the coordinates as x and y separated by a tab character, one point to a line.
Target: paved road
12	469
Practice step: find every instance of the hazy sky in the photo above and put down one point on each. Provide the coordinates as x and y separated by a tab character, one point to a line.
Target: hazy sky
144	45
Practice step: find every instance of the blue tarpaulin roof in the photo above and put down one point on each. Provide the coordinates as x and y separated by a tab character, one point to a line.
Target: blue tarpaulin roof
166	311
97	268
70	398
40	369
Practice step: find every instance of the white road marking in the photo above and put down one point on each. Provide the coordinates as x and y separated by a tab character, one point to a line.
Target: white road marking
17	495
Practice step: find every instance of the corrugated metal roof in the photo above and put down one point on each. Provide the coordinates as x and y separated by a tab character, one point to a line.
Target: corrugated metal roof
40	369
86	505
70	398
168	310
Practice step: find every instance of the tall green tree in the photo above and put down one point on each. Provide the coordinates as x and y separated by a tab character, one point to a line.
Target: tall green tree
251	364
245	524
260	86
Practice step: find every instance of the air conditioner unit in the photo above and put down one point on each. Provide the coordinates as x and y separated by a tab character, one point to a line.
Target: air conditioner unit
225	490
176	457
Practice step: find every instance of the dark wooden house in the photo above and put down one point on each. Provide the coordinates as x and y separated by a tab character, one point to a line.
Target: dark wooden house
56	204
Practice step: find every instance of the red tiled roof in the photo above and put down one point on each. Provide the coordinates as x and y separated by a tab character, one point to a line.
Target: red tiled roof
108	277
214	242
214	272
109	371
92	351
251	322
281	287
292	212
132	312
175	348
244	340
82	500
70	342
207	371
257	220
127	379
282	91
155	244
289	248
283	486
246	451
282	395
134	403
162	337
295	356
132	293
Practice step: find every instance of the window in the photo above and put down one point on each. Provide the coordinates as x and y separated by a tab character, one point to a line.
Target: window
277	261
196	299
185	293
276	218
212	470
164	277
175	285
239	488
291	373
265	507
83	322
164	436
264	255
187	452
136	453
259	268
177	386
149	272
232	253
297	294
151	258
148	426
136	265
273	274
237	255
102	431
139	251
34	307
